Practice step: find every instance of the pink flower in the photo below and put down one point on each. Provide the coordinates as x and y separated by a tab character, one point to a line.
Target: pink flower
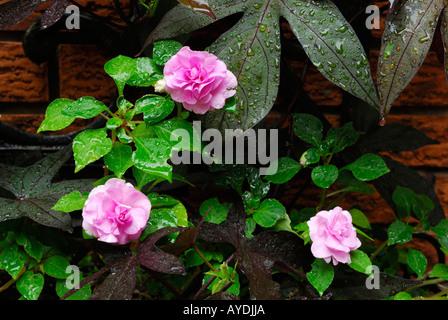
198	80
115	212
333	235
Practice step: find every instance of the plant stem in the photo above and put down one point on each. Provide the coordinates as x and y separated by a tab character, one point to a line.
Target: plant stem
378	250
203	257
12	281
425	283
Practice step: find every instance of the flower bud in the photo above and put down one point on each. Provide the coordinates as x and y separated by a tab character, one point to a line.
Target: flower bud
159	86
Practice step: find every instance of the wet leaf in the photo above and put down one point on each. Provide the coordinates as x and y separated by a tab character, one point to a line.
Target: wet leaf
154	108
30	285
282	170
200	6
368	167
89	146
36	194
321	275
417	261
119	159
84	108
251	49
152	155
411	28
53	13
12	12
399	232
256	256
120	282
54	118
308	128
324	176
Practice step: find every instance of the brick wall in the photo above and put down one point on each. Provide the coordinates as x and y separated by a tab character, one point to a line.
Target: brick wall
27	88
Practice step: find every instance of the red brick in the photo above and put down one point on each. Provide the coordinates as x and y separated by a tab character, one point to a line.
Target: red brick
20	79
441	188
102	8
81	72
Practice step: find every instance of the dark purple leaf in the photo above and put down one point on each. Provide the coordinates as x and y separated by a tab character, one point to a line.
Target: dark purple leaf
13	12
251	50
200	6
120	283
256	256
53	13
36	194
406	41
155	259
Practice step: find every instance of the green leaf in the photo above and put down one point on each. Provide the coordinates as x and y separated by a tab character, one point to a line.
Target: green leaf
217	212
417	261
341	137
359	219
54	119
34	192
402	296
346	178
180	134
164	50
360	261
89	146
154	108
142	177
269	212
201	6
282	170
31	245
114	123
230	105
399	232
368	167
324	176
119	159
123	136
30	285
308	128
84	108
440	271
70	202
310	156
81	294
146	74
404	199
422	206
412	37
441	231
55	266
11	260
151	156
121	69
166	212
321	275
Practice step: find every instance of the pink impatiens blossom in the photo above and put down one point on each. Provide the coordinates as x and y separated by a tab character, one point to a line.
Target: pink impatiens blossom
115	212
333	235
198	80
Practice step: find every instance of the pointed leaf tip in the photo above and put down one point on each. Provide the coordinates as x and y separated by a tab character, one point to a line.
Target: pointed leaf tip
200	6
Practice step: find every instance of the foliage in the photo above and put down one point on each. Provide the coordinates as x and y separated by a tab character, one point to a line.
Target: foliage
247	242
